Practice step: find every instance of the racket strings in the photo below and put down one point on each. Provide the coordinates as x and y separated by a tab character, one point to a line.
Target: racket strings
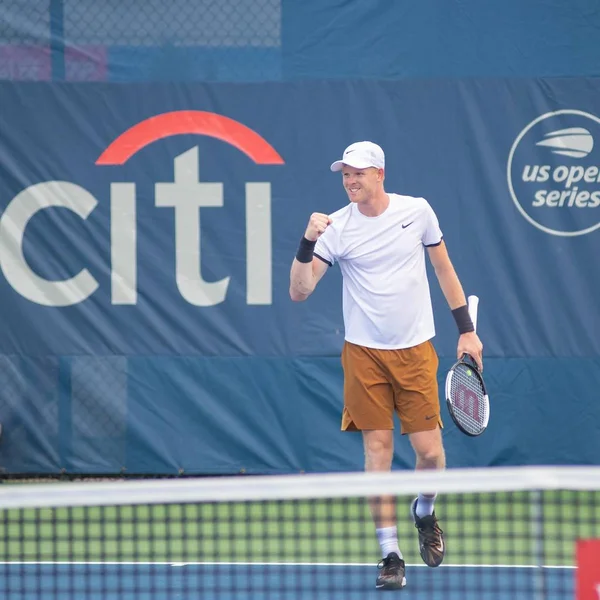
468	398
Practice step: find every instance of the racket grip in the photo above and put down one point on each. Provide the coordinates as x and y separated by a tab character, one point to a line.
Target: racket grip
473	306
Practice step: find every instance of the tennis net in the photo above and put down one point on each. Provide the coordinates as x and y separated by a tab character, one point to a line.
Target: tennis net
510	533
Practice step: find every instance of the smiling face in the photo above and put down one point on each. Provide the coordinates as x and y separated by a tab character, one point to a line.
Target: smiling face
362	185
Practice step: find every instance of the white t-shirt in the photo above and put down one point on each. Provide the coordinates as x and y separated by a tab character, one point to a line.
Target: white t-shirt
386	298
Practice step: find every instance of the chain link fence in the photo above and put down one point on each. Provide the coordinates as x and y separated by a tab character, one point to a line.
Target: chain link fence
72	410
140	40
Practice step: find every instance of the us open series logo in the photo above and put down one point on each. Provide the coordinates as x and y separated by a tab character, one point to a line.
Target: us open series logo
553	173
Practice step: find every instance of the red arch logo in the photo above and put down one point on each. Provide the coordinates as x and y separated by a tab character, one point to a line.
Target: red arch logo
185	122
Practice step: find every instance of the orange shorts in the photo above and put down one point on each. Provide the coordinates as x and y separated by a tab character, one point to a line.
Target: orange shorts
377	382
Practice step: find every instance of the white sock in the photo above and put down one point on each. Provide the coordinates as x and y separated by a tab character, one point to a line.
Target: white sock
425	504
388	540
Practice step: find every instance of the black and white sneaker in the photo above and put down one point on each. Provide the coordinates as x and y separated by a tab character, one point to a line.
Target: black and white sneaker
431	538
391	573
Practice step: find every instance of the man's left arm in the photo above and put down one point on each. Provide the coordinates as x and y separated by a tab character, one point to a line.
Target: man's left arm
468	342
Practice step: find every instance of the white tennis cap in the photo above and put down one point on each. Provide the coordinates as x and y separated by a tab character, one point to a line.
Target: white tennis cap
361	155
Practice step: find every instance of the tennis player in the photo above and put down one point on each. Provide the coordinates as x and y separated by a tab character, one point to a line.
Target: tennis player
389	363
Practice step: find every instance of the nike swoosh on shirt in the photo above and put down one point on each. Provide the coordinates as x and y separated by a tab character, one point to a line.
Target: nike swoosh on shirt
407	225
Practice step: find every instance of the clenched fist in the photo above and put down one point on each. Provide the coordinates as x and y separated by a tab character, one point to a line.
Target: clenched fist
317	224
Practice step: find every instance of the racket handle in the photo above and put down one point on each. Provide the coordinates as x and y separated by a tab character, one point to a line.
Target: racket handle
473	306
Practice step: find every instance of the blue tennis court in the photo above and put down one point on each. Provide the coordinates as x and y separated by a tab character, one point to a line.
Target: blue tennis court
229	581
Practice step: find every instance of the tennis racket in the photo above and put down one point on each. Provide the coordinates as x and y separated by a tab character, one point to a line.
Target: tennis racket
466	396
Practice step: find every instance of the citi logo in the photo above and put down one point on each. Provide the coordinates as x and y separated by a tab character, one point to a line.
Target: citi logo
185	195
553	173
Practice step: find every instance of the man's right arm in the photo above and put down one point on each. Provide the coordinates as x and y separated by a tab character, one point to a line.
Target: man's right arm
304	278
307	270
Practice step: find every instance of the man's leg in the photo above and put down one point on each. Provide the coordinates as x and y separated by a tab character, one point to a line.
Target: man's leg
429	451
430	454
379	450
369	407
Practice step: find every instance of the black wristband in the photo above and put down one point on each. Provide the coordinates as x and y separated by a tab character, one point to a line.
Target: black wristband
305	250
463	319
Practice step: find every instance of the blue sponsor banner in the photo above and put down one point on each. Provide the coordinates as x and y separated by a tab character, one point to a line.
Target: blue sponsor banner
156	224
